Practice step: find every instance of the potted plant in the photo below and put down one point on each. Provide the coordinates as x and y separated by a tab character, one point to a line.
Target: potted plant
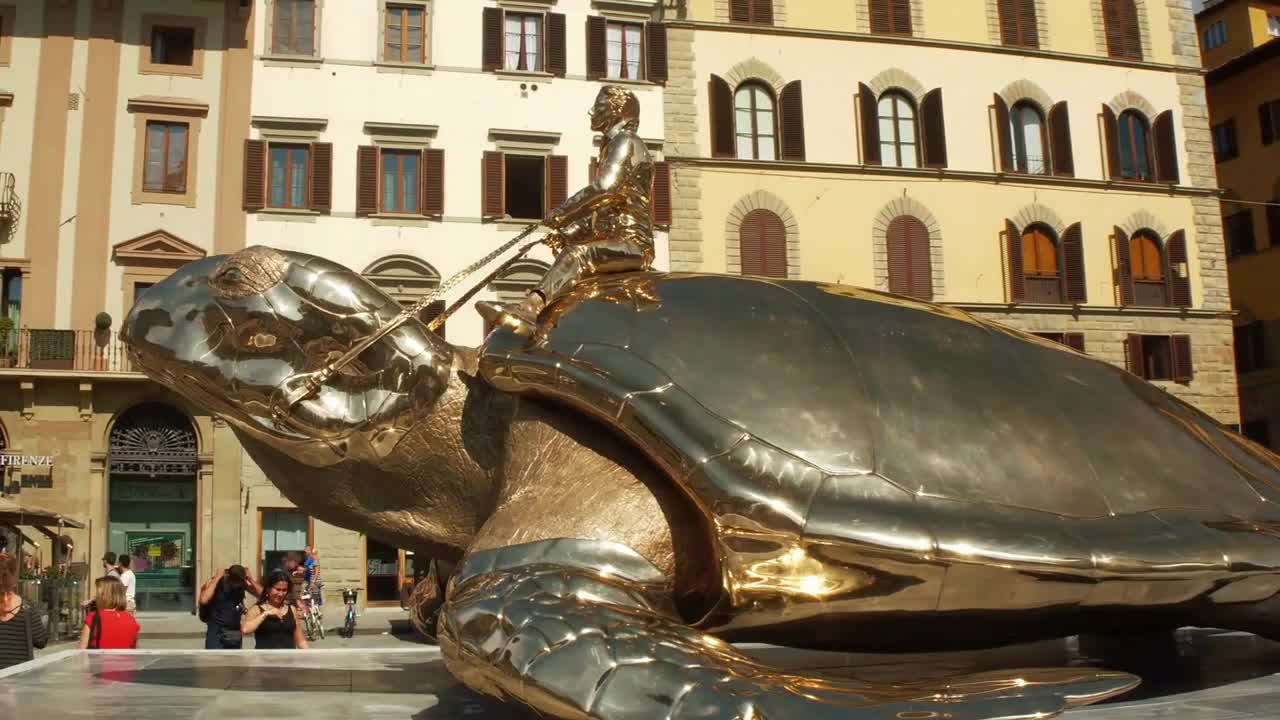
6	329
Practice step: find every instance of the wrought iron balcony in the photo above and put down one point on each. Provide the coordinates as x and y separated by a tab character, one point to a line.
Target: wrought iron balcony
74	350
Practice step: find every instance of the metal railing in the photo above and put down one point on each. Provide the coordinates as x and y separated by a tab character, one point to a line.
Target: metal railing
76	350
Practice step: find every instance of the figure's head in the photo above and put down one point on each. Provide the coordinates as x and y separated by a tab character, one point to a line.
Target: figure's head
235	578
109	559
234	333
615	105
275	588
109	593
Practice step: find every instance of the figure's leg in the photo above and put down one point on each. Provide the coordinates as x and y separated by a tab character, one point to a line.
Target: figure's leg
535	623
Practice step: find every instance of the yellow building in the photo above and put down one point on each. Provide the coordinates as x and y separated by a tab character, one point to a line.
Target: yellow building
1035	164
1241	43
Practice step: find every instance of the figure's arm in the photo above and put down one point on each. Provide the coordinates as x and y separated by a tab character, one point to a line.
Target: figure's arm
299	641
252	620
538	623
610	175
206	590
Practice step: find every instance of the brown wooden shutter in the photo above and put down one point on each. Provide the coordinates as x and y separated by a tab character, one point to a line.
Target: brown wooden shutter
762	12
1124	34
763	249
870	125
792	121
1063	158
1166	148
740	10
1009	22
1180	347
656	47
1133	358
557	181
1018	23
910	265
750	250
1124	266
493	184
775	246
1112	130
721	118
901	16
433	182
1176	255
1075	341
661	207
597	55
1073	265
1004	134
491	42
557	45
321	179
935	129
255	167
366	180
1266	121
1013	251
881	16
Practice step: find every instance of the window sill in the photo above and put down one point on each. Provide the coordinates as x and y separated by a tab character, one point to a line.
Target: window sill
620	81
400	219
172	70
156	197
523	75
408	68
509	223
287	213
291	60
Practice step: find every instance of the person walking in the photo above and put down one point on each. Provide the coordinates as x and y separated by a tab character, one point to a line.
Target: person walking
130	583
275	623
109	568
222	606
21	630
108	626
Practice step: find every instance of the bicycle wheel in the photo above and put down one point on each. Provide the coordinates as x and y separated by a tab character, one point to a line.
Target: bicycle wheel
309	626
320	625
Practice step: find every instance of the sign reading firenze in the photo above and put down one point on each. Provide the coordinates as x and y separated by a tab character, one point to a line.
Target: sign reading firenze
26	460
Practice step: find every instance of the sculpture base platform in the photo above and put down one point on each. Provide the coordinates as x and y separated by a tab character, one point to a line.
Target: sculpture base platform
1190	675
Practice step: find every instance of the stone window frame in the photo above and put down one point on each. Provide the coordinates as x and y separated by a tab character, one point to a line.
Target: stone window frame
147	266
8	18
200	27
268	49
862	17
166	110
761	200
1100	29
892	210
428	34
724	15
1042	24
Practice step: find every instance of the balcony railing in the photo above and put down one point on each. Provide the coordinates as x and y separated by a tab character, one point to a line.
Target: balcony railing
75	350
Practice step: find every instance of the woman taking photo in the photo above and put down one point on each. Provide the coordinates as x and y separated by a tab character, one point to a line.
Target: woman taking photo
21	630
108	625
274	622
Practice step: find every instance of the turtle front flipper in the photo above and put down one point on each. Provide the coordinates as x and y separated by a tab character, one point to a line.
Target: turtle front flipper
581	629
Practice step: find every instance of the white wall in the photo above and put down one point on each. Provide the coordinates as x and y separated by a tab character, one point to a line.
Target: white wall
347	89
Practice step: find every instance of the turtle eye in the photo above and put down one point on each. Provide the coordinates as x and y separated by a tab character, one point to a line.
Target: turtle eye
230	275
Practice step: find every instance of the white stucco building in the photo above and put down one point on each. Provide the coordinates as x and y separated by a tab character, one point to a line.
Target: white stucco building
406	139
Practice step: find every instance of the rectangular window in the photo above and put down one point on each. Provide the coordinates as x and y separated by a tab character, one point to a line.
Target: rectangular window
400	181
1214	36
1269	120
1249	346
405	39
1238	227
1157	357
139	288
1225	145
525	186
165	166
293	27
625	50
1258	431
288	176
283	532
172	45
11	307
523	41
1273	25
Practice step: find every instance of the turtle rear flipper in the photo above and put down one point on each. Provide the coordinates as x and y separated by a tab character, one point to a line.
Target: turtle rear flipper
597	640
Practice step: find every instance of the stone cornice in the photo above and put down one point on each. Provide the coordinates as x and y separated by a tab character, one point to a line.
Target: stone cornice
929	42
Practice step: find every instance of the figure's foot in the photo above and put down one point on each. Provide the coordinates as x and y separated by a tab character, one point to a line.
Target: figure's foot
513	317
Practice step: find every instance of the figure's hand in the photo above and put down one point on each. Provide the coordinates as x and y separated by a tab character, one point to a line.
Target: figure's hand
555	241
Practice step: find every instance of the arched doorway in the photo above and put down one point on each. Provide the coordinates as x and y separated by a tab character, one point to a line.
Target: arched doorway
151	512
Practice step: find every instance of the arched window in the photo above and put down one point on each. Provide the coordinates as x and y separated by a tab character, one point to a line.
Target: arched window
1134	135
910	265
407	280
899	139
763	244
755	123
1030	141
1146	262
1040	264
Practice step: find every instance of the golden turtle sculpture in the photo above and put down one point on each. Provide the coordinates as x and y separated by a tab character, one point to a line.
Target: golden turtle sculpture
676	461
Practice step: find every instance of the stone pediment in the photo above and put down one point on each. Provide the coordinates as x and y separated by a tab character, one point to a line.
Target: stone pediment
157	246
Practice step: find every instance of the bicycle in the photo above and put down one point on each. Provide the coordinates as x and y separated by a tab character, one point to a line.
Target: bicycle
312	617
349	599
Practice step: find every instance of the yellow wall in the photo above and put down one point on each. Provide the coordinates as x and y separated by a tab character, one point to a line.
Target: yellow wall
836	214
1246	24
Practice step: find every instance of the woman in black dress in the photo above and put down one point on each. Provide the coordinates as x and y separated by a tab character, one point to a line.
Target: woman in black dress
274	622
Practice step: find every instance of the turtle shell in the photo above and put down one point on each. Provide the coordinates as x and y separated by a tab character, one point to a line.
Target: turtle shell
830	433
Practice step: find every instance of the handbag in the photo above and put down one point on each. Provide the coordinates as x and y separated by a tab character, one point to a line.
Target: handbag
31	648
95	632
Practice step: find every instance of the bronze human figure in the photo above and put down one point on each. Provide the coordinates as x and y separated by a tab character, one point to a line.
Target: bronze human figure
685	459
605	227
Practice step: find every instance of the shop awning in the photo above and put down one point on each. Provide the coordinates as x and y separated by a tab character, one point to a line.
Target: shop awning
14	513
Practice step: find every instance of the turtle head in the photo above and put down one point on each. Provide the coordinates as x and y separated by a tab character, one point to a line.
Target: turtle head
235	334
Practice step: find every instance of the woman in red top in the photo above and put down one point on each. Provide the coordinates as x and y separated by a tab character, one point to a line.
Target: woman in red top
109	626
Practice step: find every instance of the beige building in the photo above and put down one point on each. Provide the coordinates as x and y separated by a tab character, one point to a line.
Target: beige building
1044	164
120	125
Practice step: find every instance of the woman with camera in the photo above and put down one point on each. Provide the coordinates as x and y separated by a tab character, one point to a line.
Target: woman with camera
275	622
108	625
